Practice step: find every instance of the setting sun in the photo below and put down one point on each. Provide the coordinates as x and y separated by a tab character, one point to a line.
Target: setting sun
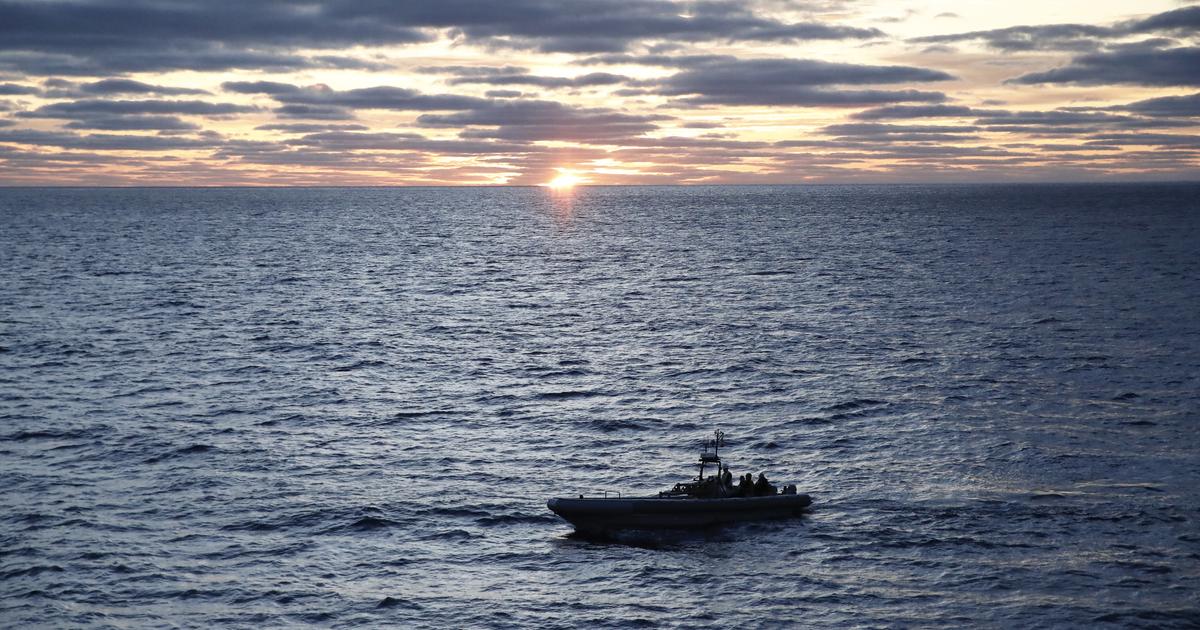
566	180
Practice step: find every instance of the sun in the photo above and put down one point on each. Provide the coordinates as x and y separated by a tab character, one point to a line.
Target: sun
565	181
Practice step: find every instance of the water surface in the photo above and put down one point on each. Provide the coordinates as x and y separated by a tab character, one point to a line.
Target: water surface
346	407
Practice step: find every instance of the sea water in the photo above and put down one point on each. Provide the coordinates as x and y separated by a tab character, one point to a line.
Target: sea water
347	407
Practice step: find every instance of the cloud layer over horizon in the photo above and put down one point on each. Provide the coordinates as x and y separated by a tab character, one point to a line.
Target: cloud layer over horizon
107	92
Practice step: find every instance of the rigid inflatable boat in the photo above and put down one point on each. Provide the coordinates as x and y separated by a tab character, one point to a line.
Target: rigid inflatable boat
703	502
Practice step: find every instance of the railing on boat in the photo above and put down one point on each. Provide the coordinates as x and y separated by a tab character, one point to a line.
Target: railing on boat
600	494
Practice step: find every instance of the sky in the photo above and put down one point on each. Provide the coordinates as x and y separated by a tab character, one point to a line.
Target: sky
522	92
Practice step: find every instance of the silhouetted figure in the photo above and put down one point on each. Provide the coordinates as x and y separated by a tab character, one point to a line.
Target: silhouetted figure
745	485
762	487
727	479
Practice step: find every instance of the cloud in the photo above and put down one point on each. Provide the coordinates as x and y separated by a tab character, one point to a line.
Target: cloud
941	49
260	87
129	86
1147	139
810	97
593	79
895	145
13	89
1072	37
1065	119
131	115
535	120
134	123
380	97
110	36
673	143
915	111
1184	106
476	71
62	88
1186	19
1060	122
798	82
517	75
503	94
314	112
1171	67
157	57
596	25
95	107
661	60
900	133
349	141
104	142
310	127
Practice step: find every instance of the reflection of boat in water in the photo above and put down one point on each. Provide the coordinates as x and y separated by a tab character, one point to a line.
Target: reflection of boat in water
705	501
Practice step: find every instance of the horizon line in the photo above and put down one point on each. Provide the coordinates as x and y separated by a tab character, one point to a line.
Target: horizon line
698	185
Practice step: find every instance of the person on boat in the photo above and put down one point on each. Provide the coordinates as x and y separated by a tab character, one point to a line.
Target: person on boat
727	478
710	488
745	485
762	487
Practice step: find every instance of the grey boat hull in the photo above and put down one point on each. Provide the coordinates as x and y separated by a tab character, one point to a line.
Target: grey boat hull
601	515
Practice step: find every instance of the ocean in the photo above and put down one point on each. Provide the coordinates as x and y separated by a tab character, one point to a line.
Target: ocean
339	408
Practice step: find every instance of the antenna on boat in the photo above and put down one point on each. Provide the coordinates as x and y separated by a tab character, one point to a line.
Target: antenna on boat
707	457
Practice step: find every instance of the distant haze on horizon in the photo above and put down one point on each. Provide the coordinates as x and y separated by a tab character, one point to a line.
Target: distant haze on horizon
474	92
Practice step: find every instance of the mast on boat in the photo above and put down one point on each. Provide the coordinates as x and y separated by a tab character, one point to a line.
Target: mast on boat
713	456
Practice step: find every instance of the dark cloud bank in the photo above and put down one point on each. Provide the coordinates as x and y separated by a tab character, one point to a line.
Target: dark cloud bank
108	36
64	64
